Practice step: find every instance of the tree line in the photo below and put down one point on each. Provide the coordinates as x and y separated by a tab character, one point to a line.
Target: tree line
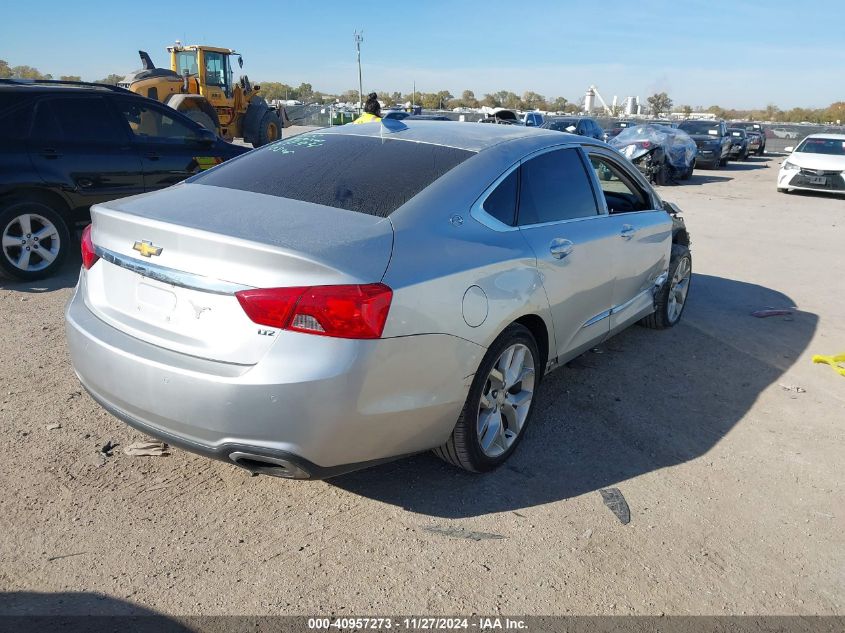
657	104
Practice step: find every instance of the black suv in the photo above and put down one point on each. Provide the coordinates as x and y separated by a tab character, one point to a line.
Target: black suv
712	139
67	145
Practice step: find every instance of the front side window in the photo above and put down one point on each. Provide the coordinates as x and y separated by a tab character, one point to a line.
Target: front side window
215	69
620	193
554	186
154	124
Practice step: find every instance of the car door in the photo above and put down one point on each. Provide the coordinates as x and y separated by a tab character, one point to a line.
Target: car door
79	146
643	237
559	216
169	145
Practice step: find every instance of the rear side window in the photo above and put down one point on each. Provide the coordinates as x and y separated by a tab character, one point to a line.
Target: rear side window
501	203
78	121
555	186
358	173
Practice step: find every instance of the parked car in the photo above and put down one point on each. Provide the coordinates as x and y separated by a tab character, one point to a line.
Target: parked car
533	119
739	143
582	126
712	140
661	153
755	142
361	310
67	145
757	128
817	164
615	128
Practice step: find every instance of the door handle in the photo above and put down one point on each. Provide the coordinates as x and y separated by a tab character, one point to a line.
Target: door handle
85	182
560	247
627	232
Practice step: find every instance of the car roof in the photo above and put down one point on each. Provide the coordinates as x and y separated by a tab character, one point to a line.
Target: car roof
30	86
473	137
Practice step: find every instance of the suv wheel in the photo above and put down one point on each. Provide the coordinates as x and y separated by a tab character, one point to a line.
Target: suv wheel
499	404
33	240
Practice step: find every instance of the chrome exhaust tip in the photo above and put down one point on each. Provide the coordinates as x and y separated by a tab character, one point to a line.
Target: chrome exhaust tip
272	466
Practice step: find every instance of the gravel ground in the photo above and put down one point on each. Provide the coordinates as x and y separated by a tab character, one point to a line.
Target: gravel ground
733	475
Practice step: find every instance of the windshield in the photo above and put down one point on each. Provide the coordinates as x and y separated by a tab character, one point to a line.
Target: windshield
700	127
829	146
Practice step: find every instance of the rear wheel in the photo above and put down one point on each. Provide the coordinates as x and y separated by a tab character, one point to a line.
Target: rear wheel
499	404
269	129
661	176
34	240
198	116
672	297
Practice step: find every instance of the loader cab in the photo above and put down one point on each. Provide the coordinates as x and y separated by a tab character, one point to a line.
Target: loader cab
209	66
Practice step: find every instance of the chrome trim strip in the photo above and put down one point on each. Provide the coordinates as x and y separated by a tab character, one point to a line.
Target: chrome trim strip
169	275
599	317
617	309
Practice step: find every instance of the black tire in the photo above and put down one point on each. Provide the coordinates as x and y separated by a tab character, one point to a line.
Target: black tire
661	177
724	161
39	215
761	151
783	190
198	116
687	173
463	448
660	319
269	129
744	154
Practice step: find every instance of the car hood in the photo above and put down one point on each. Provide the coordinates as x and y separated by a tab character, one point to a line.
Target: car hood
817	161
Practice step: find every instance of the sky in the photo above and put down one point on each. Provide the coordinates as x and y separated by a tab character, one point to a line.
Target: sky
735	54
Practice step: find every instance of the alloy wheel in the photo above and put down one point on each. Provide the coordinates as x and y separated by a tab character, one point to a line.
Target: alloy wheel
506	400
30	242
678	289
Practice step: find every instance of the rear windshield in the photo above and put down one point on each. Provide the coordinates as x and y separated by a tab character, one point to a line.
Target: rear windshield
359	173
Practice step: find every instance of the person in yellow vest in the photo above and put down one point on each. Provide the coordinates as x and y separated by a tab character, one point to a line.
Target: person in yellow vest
372	110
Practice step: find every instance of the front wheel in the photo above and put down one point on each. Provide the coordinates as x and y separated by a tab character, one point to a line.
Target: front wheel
35	240
671	299
499	404
269	129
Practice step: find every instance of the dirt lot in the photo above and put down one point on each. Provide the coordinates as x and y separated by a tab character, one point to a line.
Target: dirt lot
733	476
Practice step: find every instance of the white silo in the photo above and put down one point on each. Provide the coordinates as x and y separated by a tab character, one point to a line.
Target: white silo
590	99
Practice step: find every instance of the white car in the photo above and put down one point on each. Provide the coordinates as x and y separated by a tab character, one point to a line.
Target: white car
817	164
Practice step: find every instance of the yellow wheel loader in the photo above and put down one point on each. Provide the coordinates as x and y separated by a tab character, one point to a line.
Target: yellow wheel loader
200	84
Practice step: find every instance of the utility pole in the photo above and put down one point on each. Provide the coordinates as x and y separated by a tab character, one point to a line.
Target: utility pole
359	37
414	97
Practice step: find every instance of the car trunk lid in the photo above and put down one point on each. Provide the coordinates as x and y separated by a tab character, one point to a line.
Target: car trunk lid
172	261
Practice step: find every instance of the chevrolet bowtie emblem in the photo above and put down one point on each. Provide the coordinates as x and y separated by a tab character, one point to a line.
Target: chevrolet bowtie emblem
146	248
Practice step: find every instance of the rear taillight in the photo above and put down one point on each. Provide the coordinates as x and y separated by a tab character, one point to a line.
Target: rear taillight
358	312
89	256
645	144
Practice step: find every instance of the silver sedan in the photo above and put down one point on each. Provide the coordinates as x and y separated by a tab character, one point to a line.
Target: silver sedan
355	294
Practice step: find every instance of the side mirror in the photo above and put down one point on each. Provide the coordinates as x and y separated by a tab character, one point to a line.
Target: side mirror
789	149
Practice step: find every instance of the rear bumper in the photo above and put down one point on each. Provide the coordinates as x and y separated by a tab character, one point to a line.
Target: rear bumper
345	405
